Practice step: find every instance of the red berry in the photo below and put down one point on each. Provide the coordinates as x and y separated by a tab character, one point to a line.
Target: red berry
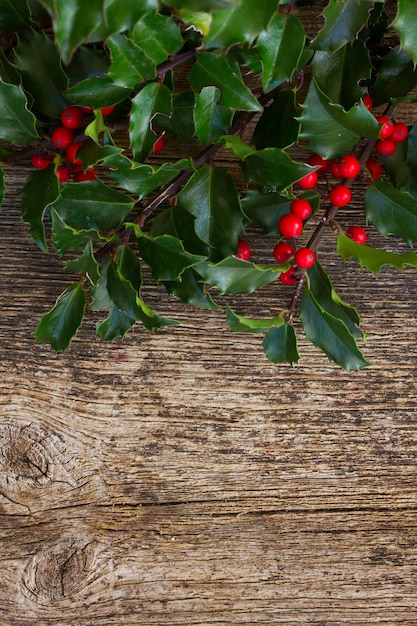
309	181
349	166
400	132
290	225
71	152
243	250
374	168
302	208
283	251
86	109
288	277
63	172
304	257
385	147
159	145
340	195
387	126
357	233
72	117
108	110
90	174
316	159
62	137
41	161
334	168
368	102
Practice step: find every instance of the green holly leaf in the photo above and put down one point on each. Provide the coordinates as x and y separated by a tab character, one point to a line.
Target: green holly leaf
265	209
405	23
86	264
14	15
97	92
66	237
153	98
373	258
344	20
280	345
38	62
141	179
273	168
17	123
328	129
121	16
179	223
240	23
232	275
330	334
202	5
198	20
40	190
211	119
391	211
130	65
326	296
158	36
90	153
8	73
395	78
115	326
213	68
250	325
210	195
277	126
92	205
180	124
60	325
190	290
280	48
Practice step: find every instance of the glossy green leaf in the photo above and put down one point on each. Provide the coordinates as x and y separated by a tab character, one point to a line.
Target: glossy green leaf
115	326
280	344
372	258
213	68
86	264
405	23
280	48
37	60
190	290
130	65
273	168
328	129
210	195
211	120
180	124
17	123
330	334
97	92
40	190
199	20
158	36
120	16
326	296
391	211
278	126
66	237
251	325
344	20
179	223
73	22
232	275
153	98
265	209
92	205
239	24
396	76
202	5
60	325
141	179
14	15
8	72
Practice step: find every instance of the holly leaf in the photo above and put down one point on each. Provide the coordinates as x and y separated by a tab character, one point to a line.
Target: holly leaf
211	119
115	326
179	223
141	179
92	205
277	127
395	78
190	290
40	190
232	275
265	209
66	237
210	195
97	92
280	48
120	16
202	5
344	20
373	258
180	124
330	334
213	68
158	36
8	72
240	23
90	153
130	65
86	264
60	325
250	325
153	98
14	15
405	23
38	62
273	168
280	344
391	211
17	123
328	129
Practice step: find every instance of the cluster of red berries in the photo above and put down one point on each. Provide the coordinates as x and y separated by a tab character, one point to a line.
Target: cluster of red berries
64	144
390	134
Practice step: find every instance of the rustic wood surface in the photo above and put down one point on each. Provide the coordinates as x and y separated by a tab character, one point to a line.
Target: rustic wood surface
179	478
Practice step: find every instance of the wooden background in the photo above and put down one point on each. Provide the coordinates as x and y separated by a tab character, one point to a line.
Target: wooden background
180	478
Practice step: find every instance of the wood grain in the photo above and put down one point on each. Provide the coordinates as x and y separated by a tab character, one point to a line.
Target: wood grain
180	478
